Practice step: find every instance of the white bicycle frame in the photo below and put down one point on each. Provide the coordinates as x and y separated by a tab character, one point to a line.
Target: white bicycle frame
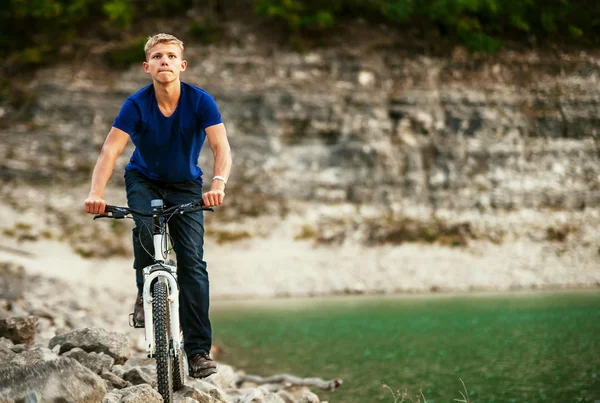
165	273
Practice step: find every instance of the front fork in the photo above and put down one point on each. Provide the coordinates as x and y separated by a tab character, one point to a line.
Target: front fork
166	274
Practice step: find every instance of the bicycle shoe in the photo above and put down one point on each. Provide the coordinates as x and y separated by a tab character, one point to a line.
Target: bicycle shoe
201	365
138	312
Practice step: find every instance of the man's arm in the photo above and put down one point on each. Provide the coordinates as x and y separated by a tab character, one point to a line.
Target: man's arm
217	139
113	147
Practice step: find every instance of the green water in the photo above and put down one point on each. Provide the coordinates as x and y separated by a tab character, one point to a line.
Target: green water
536	347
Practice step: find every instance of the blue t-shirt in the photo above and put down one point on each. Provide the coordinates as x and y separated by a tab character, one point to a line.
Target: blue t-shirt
167	148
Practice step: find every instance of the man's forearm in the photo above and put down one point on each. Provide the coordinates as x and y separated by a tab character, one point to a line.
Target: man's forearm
222	166
102	172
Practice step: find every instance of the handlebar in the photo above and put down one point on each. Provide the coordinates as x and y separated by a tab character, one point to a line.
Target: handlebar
118	213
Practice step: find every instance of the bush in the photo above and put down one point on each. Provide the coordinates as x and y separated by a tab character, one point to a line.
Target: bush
479	24
51	23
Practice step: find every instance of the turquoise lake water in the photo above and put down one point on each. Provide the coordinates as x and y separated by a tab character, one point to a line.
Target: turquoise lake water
519	347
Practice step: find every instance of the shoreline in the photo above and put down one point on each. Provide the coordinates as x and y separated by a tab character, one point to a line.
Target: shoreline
275	264
243	274
491	293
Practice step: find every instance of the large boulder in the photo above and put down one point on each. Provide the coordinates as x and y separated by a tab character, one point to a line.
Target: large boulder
61	380
113	344
33	356
97	362
19	329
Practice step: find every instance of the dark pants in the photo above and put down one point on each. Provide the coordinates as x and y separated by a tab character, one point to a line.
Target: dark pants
187	235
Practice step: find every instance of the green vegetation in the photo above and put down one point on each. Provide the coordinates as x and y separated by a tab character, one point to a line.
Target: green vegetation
54	26
395	230
224	236
479	24
53	23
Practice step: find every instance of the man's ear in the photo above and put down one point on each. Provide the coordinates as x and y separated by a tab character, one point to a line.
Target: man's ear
146	67
183	65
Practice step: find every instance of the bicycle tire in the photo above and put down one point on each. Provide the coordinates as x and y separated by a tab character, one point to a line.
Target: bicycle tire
164	364
179	371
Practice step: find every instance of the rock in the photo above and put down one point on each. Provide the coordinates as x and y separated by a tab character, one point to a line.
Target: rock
286	396
139	360
194	394
206	387
273	398
19	348
118	370
140	375
5	343
309	397
218	395
56	349
97	362
12	281
112	397
224	378
114	344
61	380
255	395
19	329
115	380
140	394
34	356
6	355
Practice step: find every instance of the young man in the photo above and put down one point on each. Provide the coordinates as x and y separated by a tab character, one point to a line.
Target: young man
168	122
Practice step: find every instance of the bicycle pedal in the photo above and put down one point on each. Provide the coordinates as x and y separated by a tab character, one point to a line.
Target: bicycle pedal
133	323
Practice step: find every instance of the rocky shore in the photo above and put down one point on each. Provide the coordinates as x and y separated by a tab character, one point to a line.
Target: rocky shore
60	343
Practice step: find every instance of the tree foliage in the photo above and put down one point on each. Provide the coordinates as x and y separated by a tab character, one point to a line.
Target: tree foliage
479	24
31	31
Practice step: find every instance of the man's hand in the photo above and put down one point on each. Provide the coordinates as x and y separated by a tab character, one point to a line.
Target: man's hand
94	204
216	194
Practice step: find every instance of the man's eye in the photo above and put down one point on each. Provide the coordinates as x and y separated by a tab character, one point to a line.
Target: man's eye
172	56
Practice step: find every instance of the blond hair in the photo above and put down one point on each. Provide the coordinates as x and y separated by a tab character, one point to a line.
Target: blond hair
162	38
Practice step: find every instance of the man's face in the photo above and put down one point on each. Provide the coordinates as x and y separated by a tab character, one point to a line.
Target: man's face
165	62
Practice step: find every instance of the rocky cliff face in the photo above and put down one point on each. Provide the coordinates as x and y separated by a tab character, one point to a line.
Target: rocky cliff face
360	138
364	124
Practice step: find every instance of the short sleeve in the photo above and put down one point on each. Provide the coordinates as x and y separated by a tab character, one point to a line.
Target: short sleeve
209	112
128	118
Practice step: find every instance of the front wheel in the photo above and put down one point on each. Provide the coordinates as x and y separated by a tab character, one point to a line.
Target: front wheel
179	371
160	312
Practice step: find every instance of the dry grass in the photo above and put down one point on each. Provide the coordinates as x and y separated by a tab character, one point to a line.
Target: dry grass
393	230
223	236
402	396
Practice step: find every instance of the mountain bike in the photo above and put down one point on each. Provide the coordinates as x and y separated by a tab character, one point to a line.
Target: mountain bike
164	340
